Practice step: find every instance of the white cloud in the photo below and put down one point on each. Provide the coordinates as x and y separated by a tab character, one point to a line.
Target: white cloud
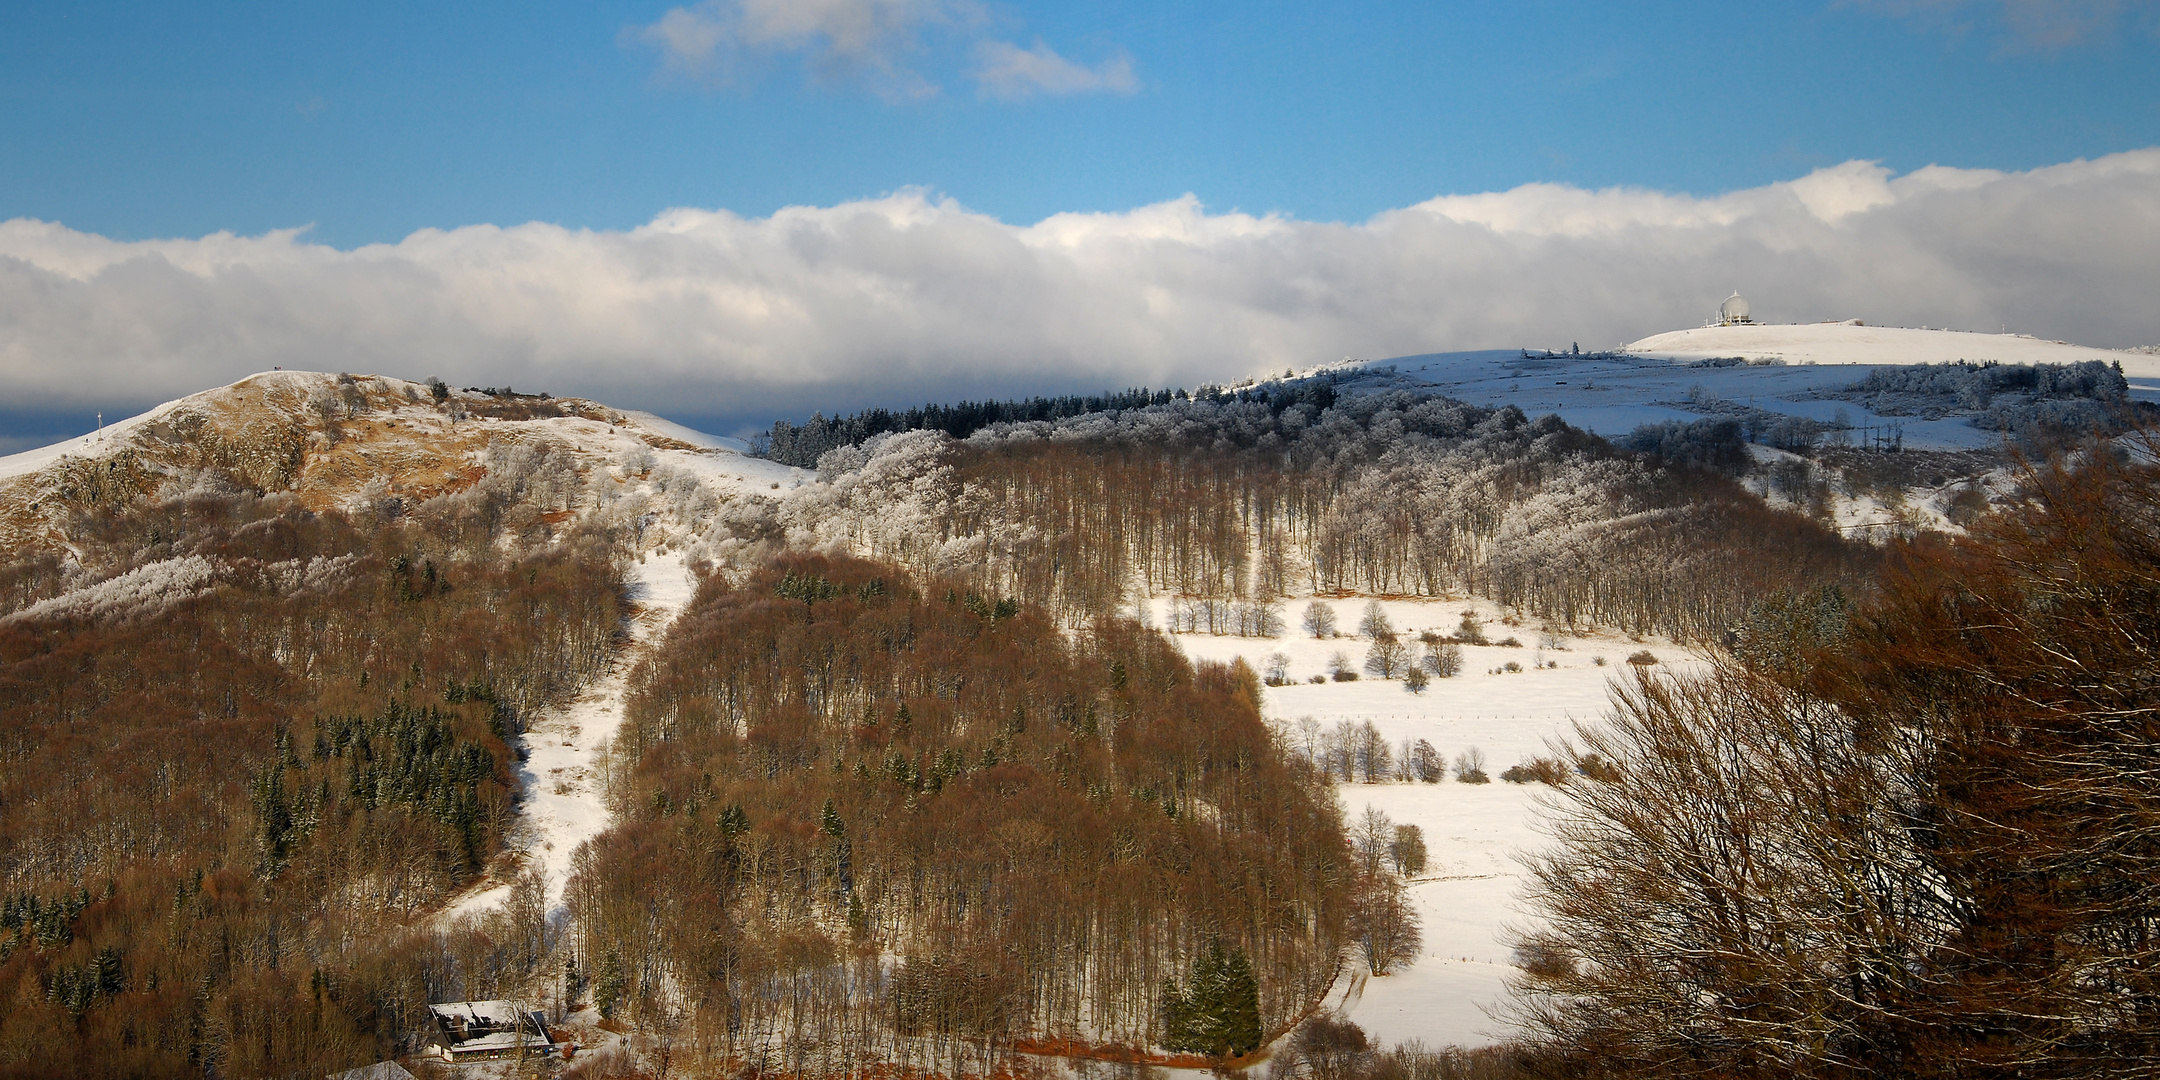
1006	70
877	43
870	40
912	296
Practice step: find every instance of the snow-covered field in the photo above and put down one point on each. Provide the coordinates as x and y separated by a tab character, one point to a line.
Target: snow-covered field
1613	394
1468	895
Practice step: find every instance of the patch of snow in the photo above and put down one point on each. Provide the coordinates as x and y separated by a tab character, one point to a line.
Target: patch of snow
88	444
666	428
727	470
563	801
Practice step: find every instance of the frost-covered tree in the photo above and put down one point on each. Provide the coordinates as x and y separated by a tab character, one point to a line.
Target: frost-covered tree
1917	832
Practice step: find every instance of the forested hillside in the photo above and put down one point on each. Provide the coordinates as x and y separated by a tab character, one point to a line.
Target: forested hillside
876	818
1260	495
225	794
910	783
262	669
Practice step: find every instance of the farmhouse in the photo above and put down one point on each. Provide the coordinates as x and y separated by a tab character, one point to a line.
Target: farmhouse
488	1030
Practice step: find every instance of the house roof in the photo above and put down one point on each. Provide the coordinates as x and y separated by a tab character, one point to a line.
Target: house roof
503	1014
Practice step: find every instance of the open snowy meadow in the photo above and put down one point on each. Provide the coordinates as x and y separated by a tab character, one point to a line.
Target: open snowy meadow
1468	895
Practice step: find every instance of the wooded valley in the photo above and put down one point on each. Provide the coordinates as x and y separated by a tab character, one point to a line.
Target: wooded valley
912	786
225	800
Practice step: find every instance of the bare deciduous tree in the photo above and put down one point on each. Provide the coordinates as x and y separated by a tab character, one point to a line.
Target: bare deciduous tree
1319	619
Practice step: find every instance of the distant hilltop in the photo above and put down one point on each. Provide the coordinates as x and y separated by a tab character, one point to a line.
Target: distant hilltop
1854	342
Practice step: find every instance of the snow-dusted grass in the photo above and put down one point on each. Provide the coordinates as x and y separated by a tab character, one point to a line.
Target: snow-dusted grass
1474	833
90	444
669	429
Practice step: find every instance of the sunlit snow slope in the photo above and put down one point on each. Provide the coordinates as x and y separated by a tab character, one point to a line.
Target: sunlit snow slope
1469	893
1800	371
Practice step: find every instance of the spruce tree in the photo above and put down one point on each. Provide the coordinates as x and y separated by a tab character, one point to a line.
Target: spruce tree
612	984
1240	1005
1218	1010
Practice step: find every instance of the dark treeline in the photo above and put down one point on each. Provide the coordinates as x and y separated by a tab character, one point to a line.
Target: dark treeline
1910	833
869	821
803	444
1389	493
242	763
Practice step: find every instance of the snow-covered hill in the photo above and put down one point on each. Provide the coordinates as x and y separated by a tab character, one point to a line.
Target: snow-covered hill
353	441
1797	371
1857	343
341	440
346	441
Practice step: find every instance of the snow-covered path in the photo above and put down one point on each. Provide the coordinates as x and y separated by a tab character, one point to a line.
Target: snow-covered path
563	791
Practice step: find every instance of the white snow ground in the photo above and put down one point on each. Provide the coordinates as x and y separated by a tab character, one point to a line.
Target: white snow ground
563	801
563	790
662	426
1613	393
1853	343
1468	895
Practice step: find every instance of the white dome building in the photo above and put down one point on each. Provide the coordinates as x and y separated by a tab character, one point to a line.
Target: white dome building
1734	311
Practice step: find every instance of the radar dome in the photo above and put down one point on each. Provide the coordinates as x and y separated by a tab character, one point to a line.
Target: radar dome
1734	310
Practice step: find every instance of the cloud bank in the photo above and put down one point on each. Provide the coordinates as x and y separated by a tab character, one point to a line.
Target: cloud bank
910	296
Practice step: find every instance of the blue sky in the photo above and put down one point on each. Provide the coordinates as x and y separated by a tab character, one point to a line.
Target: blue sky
367	122
730	210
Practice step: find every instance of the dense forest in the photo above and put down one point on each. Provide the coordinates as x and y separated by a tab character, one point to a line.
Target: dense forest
874	818
1260	495
235	769
803	444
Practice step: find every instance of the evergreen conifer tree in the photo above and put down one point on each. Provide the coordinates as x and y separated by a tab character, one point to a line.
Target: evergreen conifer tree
1218	1010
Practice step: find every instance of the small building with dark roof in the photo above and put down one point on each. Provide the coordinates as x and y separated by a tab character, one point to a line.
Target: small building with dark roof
488	1031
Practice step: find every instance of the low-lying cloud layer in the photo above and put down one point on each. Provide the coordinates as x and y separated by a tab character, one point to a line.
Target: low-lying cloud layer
909	297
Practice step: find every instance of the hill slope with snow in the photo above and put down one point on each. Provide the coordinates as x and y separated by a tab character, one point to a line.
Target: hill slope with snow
1857	343
338	440
1804	372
